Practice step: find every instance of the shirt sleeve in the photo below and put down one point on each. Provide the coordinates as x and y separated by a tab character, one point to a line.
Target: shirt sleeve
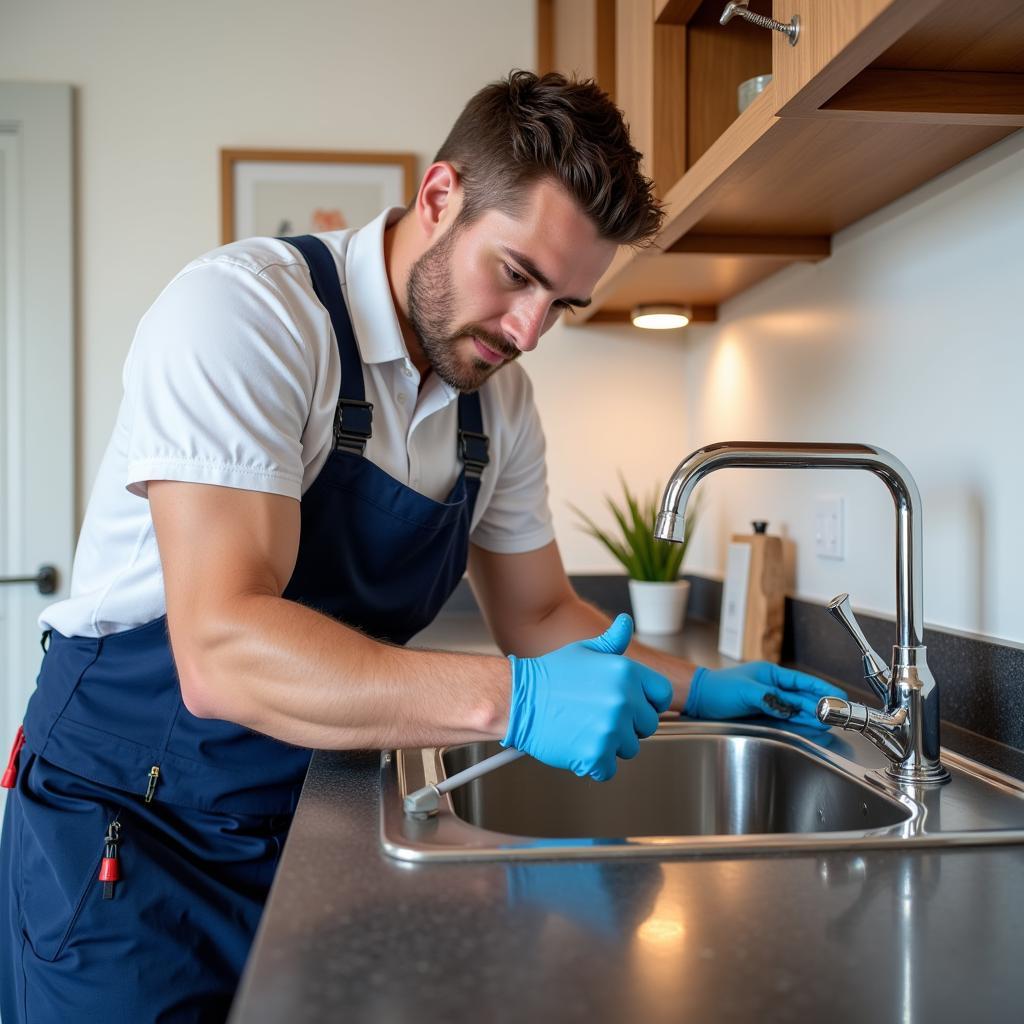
517	517
218	384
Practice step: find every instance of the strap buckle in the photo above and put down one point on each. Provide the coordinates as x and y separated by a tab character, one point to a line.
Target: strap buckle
353	425
473	449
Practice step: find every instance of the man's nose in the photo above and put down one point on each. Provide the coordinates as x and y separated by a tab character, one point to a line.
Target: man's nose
525	324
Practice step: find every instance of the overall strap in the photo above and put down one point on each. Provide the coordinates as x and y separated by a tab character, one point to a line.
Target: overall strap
353	419
473	443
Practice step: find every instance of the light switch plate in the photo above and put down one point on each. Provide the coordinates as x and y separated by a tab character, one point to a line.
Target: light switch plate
830	527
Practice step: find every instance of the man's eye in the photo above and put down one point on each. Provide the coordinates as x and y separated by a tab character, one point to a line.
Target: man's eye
513	276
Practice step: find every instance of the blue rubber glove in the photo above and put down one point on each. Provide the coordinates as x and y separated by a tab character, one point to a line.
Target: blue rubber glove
758	688
583	705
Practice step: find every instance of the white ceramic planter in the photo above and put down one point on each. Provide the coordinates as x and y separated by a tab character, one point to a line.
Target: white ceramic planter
659	607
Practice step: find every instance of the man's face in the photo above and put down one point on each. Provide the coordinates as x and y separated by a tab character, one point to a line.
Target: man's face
483	294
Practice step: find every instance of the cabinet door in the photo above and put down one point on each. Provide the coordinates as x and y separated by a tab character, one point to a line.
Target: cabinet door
634	48
651	88
577	37
837	40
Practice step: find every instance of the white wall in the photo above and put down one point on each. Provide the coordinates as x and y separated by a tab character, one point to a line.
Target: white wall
910	337
611	401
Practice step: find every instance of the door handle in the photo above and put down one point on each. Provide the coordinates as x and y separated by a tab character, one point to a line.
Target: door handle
45	580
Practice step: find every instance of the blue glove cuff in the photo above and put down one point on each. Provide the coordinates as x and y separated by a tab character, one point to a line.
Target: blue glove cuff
515	704
692	705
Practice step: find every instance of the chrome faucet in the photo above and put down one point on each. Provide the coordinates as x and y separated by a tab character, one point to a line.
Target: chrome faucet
906	730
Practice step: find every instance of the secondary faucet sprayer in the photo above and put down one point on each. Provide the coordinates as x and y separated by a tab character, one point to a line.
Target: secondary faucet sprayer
907	730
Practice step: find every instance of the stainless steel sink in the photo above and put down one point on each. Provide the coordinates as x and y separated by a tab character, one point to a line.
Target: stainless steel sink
704	785
694	788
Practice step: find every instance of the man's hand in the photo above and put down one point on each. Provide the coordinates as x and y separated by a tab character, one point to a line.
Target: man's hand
583	705
758	688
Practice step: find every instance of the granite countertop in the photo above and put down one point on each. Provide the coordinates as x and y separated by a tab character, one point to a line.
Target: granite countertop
887	935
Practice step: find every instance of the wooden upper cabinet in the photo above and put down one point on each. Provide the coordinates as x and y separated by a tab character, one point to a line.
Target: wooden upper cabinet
912	61
837	39
875	98
634	60
577	37
651	64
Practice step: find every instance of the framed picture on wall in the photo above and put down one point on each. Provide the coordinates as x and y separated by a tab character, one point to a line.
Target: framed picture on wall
293	192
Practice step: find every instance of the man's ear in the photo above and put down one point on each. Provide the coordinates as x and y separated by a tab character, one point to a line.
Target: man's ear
439	200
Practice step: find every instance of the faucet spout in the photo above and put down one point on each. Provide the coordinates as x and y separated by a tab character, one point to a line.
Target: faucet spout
913	694
784	455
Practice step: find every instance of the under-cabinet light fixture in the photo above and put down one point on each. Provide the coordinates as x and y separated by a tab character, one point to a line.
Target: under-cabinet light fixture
661	318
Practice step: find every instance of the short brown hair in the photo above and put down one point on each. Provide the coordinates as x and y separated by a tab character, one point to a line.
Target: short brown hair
515	132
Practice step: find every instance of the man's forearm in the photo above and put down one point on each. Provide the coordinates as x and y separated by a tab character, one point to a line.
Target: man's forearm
289	672
575	619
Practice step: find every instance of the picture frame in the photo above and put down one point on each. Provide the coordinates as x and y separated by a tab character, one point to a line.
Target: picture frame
294	192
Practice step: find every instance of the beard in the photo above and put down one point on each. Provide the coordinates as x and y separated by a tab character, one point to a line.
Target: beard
430	297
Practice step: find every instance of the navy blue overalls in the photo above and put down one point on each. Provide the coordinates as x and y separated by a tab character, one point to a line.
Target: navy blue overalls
185	818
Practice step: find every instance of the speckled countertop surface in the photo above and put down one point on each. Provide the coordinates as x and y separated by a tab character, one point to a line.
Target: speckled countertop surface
351	935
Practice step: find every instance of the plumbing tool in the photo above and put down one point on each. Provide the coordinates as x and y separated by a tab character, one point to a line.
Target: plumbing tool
423	803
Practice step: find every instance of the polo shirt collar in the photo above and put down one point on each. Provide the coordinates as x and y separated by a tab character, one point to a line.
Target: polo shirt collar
371	308
368	292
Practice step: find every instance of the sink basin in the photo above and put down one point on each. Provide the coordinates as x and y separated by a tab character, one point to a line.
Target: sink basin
702	785
693	788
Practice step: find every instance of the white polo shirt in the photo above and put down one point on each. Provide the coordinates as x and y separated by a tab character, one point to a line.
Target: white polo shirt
232	379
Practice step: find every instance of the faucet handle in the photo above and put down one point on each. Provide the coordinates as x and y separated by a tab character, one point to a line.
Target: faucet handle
875	670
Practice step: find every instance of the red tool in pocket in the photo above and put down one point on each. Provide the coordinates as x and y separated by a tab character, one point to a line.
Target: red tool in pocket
110	869
11	772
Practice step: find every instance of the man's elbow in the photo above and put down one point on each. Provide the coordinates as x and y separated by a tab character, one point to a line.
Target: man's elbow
197	693
213	655
195	662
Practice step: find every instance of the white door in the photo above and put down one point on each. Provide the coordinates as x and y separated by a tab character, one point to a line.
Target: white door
37	485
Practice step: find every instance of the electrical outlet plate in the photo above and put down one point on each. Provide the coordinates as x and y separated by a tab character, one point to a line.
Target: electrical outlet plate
830	528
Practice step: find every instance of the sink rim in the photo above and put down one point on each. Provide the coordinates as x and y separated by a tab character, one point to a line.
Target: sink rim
448	837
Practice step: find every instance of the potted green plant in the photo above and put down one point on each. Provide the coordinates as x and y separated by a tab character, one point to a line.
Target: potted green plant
656	592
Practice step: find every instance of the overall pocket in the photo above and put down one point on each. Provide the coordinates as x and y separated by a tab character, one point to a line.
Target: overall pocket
63	825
